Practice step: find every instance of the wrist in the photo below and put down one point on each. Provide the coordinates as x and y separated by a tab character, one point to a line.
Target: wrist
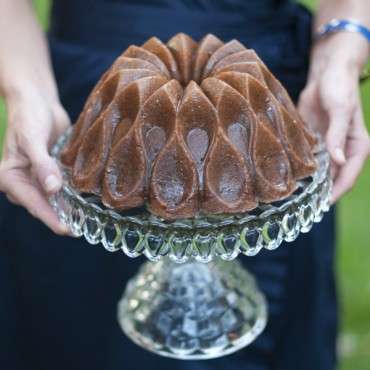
20	82
347	50
18	90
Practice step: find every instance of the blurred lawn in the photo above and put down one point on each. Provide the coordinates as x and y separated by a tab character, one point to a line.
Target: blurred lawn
353	253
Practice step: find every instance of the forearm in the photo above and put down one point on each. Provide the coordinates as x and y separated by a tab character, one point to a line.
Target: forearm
24	56
352	48
355	9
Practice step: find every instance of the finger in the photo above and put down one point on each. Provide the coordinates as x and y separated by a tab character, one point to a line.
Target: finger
61	119
334	169
358	152
347	176
26	194
306	101
11	199
45	168
308	104
310	109
339	103
336	135
34	140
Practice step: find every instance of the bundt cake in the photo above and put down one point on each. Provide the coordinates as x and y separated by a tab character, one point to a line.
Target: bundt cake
189	128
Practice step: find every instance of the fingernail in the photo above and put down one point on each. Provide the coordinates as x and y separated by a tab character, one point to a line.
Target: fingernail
51	183
340	155
65	229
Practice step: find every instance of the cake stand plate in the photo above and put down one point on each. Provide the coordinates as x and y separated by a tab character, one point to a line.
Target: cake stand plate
197	301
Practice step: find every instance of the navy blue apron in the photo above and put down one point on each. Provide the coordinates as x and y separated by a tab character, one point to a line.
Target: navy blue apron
59	295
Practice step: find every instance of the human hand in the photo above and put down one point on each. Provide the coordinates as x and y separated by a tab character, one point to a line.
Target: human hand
331	104
28	175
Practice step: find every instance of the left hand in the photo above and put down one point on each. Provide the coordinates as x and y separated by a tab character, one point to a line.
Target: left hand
28	174
331	104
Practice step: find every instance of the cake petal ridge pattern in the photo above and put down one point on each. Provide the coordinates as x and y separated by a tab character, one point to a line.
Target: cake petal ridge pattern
188	128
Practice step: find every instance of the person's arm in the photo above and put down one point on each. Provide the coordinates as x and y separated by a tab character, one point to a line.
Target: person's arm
331	100
35	117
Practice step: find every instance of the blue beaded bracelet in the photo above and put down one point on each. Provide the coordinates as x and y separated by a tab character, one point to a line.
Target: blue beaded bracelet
338	25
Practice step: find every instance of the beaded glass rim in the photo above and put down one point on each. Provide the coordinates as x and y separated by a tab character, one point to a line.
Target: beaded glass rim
203	237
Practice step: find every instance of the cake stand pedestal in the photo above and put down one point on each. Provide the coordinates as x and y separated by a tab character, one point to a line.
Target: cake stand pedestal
196	301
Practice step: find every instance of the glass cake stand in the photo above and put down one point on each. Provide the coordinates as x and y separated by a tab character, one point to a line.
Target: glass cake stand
196	301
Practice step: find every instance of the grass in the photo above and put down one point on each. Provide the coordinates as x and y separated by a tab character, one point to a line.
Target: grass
353	252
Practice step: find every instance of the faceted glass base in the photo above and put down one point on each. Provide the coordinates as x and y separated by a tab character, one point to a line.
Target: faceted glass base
192	310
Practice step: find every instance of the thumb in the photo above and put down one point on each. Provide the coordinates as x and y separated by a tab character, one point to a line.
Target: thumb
339	121
45	168
43	165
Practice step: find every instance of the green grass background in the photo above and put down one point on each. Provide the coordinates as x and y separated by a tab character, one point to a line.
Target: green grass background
353	253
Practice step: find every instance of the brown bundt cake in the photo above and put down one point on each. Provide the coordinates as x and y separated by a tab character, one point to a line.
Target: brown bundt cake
189	129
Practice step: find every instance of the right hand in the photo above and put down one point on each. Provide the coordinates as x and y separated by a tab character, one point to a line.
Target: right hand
331	103
28	175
